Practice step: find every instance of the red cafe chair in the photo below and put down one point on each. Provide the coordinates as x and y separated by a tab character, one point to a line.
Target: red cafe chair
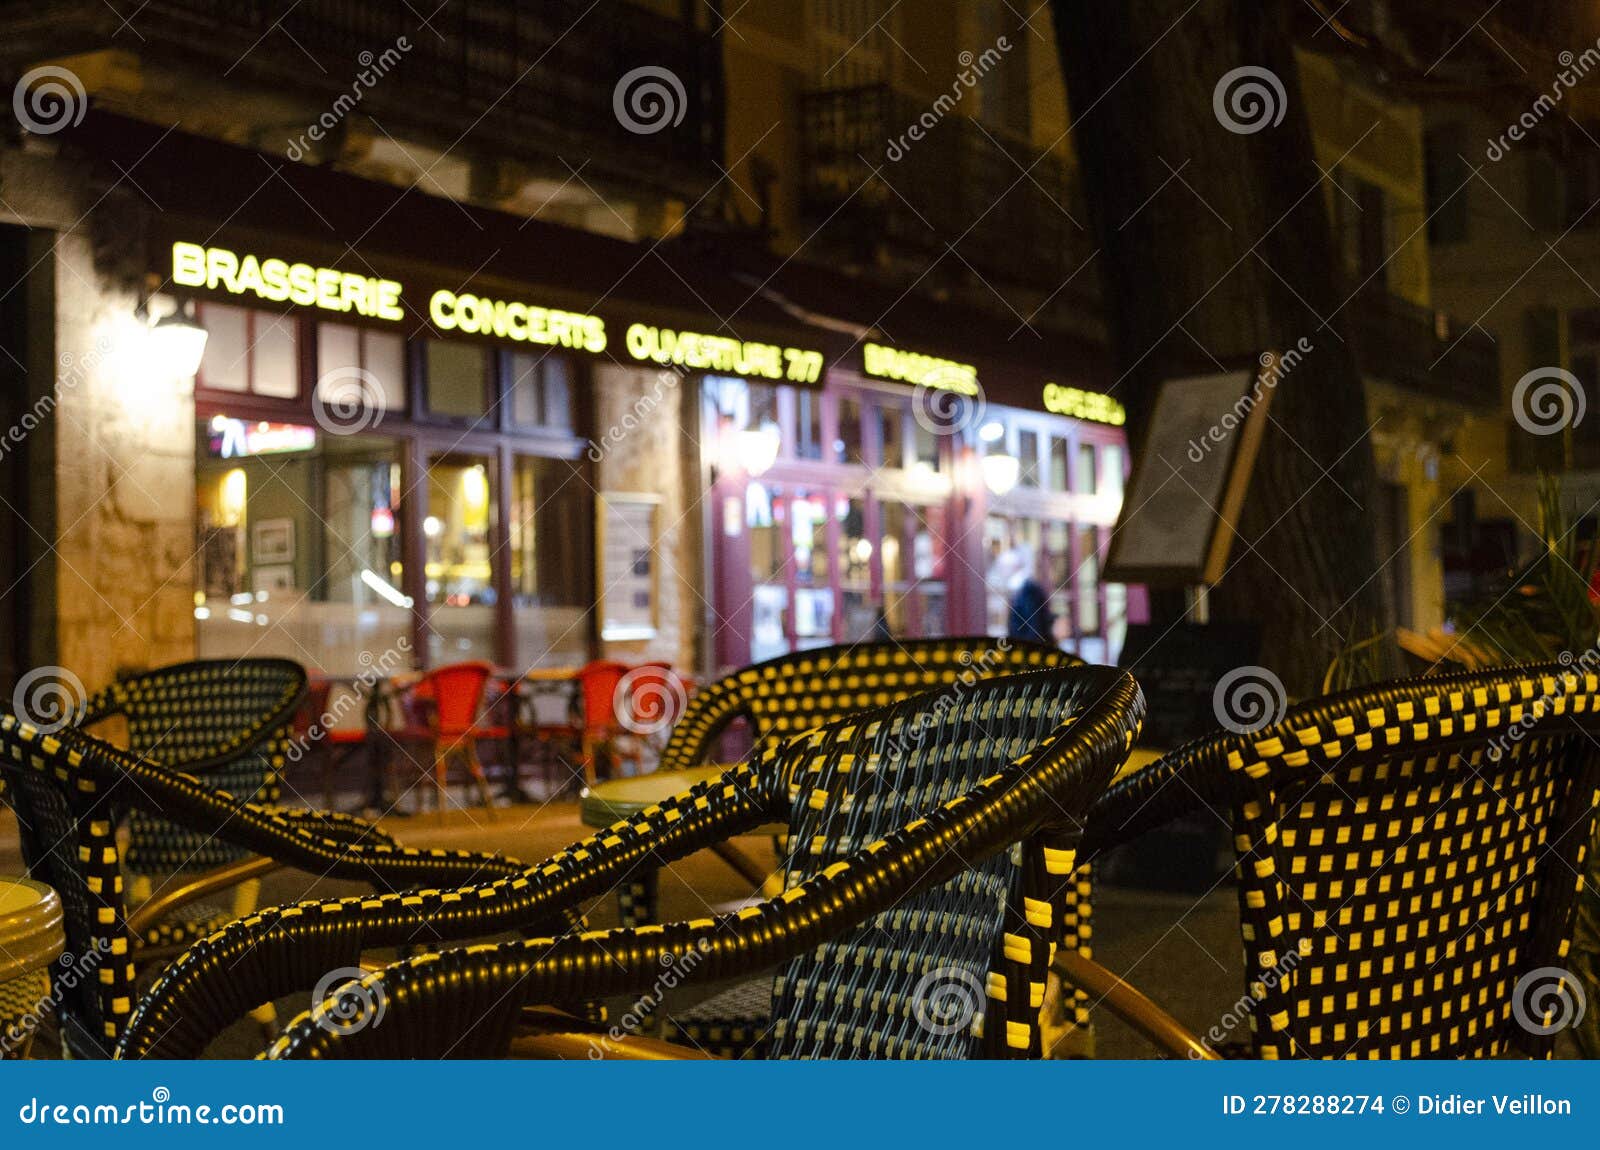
445	709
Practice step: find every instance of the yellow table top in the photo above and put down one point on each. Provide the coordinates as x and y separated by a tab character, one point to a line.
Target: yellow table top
31	927
617	799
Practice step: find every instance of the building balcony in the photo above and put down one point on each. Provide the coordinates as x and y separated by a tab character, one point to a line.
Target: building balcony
527	83
1422	350
876	172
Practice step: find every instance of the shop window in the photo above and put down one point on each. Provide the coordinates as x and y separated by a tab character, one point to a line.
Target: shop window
1027	458
376	359
460	583
861	609
541	391
552	575
457	379
297	549
249	351
847	446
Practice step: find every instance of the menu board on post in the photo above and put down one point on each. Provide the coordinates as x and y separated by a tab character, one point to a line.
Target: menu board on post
627	572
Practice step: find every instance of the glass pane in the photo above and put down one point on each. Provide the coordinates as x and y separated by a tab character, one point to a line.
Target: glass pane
861	610
1088	573
1111	470
847	447
1083	483
891	434
1028	457
276	368
527	390
456	378
813	601
926	444
892	525
384	358
298	556
459	585
558	392
224	365
551	580
808	422
1058	463
766	535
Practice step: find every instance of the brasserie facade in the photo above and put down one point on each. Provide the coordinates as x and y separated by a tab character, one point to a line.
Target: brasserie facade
426	427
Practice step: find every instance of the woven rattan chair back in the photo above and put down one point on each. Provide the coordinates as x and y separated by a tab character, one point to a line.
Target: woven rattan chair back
68	789
1409	860
925	899
801	691
227	721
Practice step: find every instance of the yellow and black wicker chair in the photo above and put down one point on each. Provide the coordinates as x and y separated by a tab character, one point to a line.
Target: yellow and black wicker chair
934	843
1409	858
70	792
226	722
793	693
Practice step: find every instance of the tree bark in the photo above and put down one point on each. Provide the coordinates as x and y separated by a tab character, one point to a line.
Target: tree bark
1214	246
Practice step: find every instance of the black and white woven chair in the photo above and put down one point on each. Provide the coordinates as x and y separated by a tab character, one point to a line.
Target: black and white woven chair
933	848
1409	860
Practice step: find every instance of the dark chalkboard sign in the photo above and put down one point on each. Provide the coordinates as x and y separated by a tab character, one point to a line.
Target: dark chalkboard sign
1178	668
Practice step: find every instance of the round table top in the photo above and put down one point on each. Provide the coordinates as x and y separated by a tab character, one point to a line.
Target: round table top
618	799
31	927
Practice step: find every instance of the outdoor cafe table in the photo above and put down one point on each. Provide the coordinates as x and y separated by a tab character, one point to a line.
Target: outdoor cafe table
31	938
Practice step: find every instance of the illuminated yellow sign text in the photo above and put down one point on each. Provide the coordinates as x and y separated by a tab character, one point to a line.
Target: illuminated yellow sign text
915	368
723	354
280	281
1084	405
516	320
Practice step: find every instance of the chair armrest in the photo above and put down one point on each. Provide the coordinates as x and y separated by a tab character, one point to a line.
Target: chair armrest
1178	783
575	1044
336	825
281	950
1132	1006
225	877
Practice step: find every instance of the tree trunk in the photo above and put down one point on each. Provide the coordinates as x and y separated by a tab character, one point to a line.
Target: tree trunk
1214	246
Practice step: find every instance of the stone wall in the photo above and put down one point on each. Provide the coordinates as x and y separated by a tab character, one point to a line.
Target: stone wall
124	474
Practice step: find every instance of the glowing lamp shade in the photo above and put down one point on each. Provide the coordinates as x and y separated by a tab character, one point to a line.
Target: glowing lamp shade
1001	472
178	343
754	451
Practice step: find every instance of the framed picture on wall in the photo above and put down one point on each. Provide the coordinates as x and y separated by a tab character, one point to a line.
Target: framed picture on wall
627	573
272	541
274	580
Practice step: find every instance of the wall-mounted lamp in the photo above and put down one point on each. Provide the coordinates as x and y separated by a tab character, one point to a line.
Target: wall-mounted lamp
178	342
754	450
1001	472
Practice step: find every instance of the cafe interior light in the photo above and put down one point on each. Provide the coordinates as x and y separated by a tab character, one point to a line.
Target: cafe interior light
1001	472
179	342
992	431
